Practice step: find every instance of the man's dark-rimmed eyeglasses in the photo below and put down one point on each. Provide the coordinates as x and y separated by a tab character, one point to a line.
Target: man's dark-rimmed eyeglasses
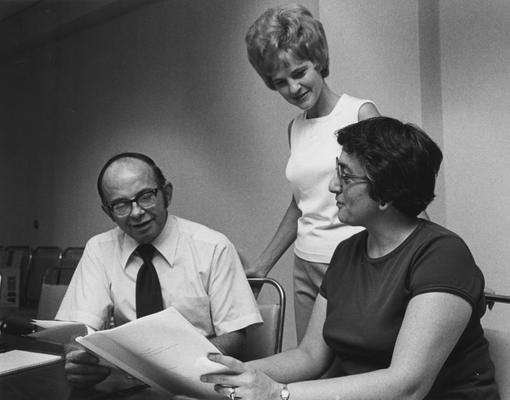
145	199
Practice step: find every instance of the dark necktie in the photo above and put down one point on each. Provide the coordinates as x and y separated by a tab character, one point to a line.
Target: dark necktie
148	290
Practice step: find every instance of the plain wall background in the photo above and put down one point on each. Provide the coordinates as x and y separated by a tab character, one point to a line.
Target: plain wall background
475	55
172	79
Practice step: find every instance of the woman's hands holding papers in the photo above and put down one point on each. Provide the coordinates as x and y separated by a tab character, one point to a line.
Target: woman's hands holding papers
83	369
242	381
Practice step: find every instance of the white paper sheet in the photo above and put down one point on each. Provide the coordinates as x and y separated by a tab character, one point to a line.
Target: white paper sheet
45	324
16	360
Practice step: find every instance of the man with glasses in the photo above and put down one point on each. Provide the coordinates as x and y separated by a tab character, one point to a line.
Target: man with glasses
150	261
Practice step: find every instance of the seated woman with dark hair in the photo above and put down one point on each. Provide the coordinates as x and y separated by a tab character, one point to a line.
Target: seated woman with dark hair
401	302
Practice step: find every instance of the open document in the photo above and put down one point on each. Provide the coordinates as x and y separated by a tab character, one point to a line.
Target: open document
163	350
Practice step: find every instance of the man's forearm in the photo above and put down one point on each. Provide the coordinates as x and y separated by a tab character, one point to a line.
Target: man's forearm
231	343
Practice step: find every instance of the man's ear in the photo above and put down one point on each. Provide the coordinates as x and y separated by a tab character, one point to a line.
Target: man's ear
168	190
107	212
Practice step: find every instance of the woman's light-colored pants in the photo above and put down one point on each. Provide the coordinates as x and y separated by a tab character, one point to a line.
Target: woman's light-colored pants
307	281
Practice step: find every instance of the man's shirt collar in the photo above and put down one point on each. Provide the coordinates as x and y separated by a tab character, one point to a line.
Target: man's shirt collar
165	243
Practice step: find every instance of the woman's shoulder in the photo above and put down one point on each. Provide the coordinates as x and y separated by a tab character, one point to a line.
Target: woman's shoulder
353	243
358	108
436	238
434	230
346	99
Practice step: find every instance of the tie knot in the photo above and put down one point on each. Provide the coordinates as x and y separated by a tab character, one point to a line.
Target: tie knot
146	251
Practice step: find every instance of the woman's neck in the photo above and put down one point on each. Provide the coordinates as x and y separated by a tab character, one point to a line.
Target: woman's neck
385	237
325	103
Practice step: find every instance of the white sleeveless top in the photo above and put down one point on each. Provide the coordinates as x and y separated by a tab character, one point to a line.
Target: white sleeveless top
311	165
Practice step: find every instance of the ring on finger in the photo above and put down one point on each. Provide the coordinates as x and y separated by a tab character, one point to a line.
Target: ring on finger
232	394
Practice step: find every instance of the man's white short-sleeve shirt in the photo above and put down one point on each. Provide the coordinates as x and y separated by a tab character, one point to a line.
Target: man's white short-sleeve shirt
198	268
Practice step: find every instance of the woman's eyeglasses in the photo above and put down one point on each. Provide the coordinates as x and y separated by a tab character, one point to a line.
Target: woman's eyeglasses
348	179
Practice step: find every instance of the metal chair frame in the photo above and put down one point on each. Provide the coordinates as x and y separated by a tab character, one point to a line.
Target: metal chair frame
36	273
24	268
257	282
58	274
499	345
52	292
491	298
71	250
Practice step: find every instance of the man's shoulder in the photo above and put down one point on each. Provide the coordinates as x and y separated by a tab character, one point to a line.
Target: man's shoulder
195	231
104	238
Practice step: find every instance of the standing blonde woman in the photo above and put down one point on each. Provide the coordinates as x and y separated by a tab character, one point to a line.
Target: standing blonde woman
288	49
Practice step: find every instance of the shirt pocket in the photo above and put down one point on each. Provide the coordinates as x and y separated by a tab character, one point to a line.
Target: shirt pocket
197	311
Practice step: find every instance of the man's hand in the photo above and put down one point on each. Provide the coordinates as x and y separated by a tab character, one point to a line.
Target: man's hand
82	368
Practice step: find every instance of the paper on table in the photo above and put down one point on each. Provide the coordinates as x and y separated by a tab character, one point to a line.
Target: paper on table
45	324
163	350
16	360
62	332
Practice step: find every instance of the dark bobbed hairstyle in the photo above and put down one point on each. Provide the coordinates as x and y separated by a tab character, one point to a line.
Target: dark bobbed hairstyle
401	160
158	174
282	31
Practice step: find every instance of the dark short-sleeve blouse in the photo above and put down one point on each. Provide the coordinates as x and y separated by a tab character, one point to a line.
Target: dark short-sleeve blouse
367	299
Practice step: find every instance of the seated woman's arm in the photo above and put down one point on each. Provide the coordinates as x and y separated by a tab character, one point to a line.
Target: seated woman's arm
432	325
261	377
310	360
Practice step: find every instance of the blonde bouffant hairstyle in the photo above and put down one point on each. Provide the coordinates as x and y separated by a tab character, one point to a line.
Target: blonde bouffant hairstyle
284	31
